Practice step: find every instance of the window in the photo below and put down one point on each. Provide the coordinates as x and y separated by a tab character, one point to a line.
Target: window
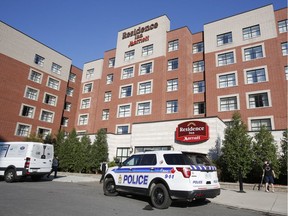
50	99
107	96
145	88
199	108
90	73
43	132
173	45
27	111
258	100
67	106
87	88
147	50
72	77
56	68
23	130
129	55
228	103
251	32
286	72
64	122
124	111
105	114
173	64
127	73
198	47
123	129
172	106
199	87
256	75
53	83
109	79
35	76
111	62
31	93
257	123
283	26
284	48
146	68
225	38
198	66
227	80
172	85
225	58
253	53
39	60
122	154
126	91
85	103
46	116
83	120
70	91
144	108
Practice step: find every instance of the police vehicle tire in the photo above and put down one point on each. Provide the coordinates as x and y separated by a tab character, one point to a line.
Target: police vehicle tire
160	197
10	176
109	187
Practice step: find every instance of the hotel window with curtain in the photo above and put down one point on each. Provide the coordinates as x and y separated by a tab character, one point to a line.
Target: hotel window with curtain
172	85
253	53
172	64
147	50
228	103
283	26
173	45
129	55
225	38
225	58
172	106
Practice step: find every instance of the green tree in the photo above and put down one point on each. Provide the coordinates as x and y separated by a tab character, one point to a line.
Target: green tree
33	137
237	154
81	152
99	149
264	148
59	141
67	152
283	158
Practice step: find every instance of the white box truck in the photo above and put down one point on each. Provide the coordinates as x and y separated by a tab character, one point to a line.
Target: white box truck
21	159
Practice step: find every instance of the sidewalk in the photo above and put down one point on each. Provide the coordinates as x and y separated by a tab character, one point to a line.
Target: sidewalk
274	203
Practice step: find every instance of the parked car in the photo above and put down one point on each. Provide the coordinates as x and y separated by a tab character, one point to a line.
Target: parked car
164	176
21	159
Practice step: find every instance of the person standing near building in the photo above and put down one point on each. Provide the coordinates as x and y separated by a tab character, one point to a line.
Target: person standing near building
103	168
55	164
268	174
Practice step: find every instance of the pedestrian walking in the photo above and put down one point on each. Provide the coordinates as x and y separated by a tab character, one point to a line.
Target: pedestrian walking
269	175
103	168
55	164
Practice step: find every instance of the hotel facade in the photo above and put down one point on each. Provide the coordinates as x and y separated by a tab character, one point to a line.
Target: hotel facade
158	89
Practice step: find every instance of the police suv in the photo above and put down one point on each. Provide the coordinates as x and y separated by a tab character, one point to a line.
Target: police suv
164	176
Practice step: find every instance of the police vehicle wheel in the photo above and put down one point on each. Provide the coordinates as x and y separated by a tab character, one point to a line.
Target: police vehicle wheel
160	197
10	176
109	187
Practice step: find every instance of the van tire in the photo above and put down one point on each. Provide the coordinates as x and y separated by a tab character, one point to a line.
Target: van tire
160	197
10	175
109	187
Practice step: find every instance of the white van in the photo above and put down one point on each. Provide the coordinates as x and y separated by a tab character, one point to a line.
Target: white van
21	159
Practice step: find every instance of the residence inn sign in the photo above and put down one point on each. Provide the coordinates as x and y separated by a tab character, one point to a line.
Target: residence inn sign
192	132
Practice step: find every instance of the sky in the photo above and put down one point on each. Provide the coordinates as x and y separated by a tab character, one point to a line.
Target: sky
83	30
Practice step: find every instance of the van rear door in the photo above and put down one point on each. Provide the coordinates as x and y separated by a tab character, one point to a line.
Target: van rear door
41	158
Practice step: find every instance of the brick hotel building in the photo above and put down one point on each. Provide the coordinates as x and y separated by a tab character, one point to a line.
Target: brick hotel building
158	89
